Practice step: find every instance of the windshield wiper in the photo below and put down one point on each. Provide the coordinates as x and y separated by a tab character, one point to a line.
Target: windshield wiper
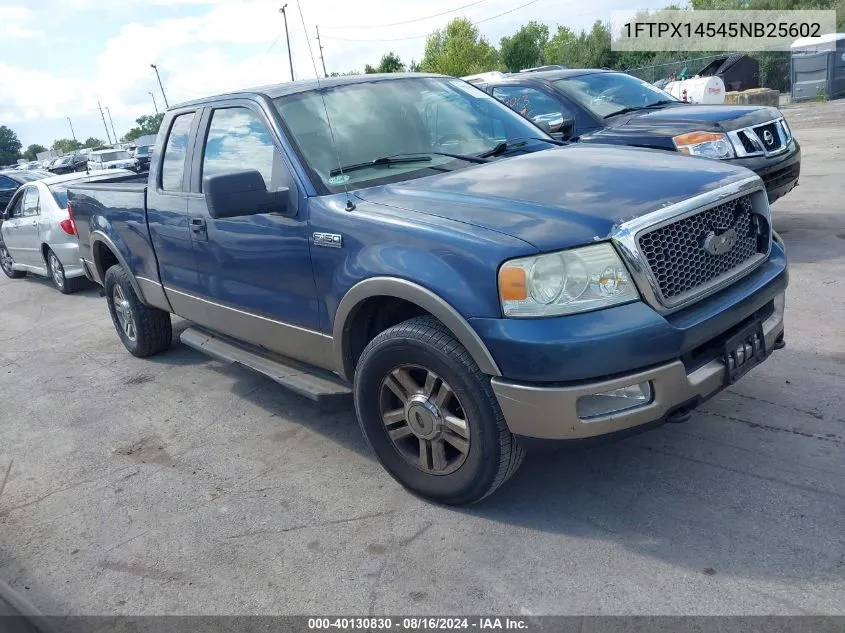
645	107
399	159
506	146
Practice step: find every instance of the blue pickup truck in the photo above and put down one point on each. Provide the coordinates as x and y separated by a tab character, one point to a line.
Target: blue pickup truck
472	283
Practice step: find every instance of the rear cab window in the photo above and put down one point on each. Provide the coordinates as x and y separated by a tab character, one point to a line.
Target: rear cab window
175	152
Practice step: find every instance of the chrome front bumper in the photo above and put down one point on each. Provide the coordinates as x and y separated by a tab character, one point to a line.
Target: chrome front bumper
551	412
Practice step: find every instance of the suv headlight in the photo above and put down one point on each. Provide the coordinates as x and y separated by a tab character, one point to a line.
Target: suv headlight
576	280
705	144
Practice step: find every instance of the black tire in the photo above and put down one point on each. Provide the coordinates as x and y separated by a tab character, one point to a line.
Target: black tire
151	331
6	264
425	343
57	274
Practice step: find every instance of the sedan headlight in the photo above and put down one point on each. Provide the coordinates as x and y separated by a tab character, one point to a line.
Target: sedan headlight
577	280
705	144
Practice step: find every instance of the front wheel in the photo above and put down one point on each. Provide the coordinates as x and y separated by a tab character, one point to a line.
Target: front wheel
6	262
430	414
143	330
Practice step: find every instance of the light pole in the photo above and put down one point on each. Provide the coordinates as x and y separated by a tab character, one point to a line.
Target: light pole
155	105
287	39
155	68
103	116
112	123
72	133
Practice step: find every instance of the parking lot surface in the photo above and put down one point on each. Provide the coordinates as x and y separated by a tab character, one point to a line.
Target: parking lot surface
179	485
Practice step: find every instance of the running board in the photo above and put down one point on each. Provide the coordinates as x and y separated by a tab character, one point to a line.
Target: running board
316	384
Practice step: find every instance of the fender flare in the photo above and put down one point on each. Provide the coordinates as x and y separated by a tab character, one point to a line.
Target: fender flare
100	237
413	293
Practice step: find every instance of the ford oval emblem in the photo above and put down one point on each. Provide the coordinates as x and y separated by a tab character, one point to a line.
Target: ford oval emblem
719	244
768	138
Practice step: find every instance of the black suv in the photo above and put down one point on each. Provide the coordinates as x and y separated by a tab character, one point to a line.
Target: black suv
600	106
142	154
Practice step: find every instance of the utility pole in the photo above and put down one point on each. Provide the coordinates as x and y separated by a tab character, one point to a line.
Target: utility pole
108	136
72	133
155	105
155	68
112	124
287	39
322	59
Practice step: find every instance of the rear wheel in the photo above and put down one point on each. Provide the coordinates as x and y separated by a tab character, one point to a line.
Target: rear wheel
6	262
143	330
430	414
57	274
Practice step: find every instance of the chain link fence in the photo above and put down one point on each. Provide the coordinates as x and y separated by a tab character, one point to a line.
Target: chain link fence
774	69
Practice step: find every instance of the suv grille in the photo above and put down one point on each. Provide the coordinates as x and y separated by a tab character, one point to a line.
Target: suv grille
769	136
676	252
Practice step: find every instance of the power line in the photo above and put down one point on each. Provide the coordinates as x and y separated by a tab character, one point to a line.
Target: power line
428	17
418	37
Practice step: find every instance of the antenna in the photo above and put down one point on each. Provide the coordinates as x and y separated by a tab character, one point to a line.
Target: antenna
350	206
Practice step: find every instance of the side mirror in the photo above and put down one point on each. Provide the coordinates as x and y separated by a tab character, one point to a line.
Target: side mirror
239	193
555	124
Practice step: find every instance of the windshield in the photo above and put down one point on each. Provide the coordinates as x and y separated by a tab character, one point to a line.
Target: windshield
109	156
423	116
608	93
31	174
142	151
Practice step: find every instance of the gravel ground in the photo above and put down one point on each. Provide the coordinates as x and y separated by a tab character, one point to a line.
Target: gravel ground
180	485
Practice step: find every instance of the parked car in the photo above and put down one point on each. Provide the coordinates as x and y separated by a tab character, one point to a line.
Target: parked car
468	280
37	234
69	164
11	179
111	159
142	154
599	106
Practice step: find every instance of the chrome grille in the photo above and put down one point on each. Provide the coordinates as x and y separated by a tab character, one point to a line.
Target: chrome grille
676	253
769	135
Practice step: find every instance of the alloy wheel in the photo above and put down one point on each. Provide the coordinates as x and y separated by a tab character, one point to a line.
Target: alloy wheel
124	313
424	419
57	271
6	260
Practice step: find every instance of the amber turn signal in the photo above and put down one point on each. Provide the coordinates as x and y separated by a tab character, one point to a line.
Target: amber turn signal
512	283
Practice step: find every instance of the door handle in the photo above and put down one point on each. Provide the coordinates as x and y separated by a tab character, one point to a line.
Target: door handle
197	225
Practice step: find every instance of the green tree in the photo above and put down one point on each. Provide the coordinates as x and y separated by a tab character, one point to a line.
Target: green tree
93	142
33	150
147	124
560	49
459	49
525	48
10	146
389	63
414	67
66	145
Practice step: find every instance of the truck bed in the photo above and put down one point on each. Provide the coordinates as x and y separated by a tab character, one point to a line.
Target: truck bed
115	208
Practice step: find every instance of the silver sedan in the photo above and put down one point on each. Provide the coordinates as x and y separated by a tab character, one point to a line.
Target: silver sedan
38	235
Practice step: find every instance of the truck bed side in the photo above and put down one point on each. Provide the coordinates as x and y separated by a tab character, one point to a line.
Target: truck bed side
111	221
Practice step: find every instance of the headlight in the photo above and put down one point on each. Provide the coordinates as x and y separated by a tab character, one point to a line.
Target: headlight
705	144
576	280
787	132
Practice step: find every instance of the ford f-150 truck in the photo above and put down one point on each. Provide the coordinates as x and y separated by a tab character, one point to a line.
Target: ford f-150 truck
411	241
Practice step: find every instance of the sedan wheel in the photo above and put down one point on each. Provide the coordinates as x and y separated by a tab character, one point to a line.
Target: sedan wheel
57	271
6	262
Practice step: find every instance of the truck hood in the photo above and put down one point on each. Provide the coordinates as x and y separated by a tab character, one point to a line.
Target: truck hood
559	197
675	120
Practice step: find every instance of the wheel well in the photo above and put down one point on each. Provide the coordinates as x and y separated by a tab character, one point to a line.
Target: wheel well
373	317
44	249
103	259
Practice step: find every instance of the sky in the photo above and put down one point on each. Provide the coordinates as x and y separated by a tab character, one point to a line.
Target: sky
58	58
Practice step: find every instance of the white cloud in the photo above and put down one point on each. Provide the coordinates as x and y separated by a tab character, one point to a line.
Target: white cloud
12	23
